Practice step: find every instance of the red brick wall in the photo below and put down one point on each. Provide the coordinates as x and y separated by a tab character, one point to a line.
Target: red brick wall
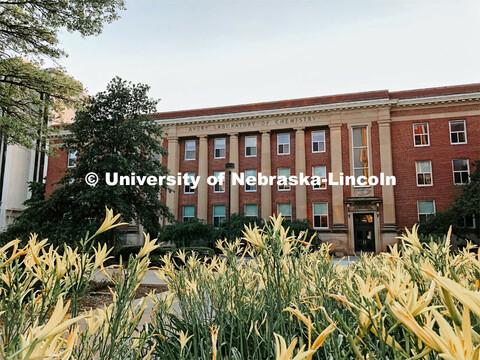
217	165
283	161
440	152
56	169
249	163
185	167
318	159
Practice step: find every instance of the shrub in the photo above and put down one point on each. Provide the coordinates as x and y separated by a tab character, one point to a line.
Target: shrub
183	234
237	223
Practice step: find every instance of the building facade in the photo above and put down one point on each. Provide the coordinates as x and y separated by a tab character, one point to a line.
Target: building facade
428	139
18	167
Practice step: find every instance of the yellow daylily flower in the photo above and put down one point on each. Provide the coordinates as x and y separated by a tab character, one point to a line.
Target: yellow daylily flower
109	222
183	338
148	246
285	353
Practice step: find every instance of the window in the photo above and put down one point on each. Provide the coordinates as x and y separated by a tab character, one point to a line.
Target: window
250	209
424	173
425	209
420	135
219	148
220	185
190	150
461	171
282	179
248	179
72	159
320	215
283	144
218	214
250	146
187	188
188	212
285	210
318	141
469	222
360	152
458	132
321	173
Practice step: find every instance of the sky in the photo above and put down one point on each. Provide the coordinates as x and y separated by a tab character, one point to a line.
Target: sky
197	54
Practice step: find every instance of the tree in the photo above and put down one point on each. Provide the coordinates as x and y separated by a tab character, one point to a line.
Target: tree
237	223
298	226
182	234
113	133
29	36
466	205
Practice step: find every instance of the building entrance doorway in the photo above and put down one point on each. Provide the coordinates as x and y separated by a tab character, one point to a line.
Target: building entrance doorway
364	232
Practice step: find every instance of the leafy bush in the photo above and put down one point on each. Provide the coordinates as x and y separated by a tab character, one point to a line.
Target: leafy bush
156	255
237	223
183	234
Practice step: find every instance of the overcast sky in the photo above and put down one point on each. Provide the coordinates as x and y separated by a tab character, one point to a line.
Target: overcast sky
197	54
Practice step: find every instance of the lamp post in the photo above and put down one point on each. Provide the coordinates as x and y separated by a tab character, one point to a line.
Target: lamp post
229	167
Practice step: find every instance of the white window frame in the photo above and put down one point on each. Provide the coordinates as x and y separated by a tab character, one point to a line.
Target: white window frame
187	185
217	188
221	217
456	171
72	155
324	142
250	188
323	185
283	215
457	132
418	208
283	144
428	134
423	173
187	151
368	154
215	147
313	212
245	210
256	149
284	187
187	217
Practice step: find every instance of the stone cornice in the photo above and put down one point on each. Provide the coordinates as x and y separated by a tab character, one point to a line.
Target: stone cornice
280	112
442	99
386	104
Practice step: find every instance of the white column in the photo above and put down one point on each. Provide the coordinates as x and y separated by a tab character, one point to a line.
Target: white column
202	199
300	167
235	195
173	166
266	164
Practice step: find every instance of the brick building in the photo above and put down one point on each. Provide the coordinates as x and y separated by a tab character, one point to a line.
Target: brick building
428	139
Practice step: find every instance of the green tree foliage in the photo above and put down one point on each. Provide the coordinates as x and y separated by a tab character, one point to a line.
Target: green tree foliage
113	133
466	204
183	234
29	36
237	223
